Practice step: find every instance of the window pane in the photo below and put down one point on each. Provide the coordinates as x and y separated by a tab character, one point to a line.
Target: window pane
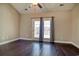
47	29
36	29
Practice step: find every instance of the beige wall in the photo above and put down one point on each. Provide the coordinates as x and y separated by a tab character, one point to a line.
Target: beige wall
9	23
26	26
75	25
62	20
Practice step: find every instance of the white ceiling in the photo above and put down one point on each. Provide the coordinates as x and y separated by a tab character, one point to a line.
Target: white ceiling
47	7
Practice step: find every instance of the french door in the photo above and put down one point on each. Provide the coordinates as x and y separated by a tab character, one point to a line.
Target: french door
47	27
42	29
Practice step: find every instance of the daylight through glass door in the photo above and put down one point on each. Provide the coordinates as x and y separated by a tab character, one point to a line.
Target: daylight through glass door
46	31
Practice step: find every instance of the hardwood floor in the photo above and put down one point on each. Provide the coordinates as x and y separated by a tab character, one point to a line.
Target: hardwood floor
29	48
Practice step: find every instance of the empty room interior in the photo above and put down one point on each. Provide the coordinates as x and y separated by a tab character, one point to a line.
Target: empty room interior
39	29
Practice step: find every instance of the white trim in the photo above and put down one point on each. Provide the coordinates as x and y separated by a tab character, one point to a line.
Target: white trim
66	42
63	42
31	39
25	39
2	43
28	39
75	45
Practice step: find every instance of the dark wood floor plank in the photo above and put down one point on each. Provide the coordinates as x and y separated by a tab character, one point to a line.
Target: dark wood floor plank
29	48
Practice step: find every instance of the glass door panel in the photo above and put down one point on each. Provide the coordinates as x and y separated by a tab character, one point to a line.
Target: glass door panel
47	29
36	29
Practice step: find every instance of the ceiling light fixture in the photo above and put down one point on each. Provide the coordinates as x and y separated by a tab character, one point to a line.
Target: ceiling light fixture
61	4
25	8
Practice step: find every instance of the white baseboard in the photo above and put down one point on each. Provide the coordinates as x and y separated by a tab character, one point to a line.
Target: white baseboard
75	45
25	39
54	41
31	39
2	43
66	42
